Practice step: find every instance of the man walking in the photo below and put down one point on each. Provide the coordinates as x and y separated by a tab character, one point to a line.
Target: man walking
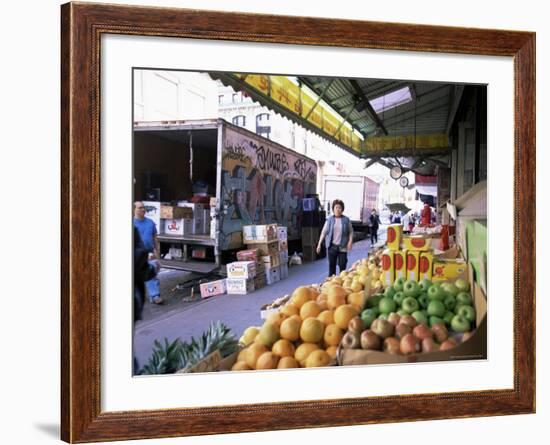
374	226
148	233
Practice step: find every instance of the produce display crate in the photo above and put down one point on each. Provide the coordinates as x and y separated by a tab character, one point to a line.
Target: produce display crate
472	349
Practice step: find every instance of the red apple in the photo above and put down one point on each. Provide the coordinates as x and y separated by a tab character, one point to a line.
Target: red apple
447	344
351	340
394	318
382	328
409	344
422	331
369	340
356	325
429	345
391	346
401	330
440	332
408	320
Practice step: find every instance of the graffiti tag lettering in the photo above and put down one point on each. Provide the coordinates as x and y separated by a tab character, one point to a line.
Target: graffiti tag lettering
269	160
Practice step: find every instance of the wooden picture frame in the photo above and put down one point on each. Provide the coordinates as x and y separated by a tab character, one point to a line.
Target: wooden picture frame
82	26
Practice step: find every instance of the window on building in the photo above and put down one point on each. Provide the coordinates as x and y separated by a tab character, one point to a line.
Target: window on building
235	98
220	99
262	125
240	120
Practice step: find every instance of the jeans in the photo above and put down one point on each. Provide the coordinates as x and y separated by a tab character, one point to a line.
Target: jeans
334	255
153	286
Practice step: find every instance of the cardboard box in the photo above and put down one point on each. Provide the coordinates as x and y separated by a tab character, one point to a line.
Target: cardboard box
213	288
400	263
174	212
175	252
445	269
413	259
473	348
239	286
271	260
418	242
248	255
152	211
212	362
425	265
179	227
241	269
272	274
388	267
260	234
282	233
283	246
283	257
260	281
394	235
197	208
284	270
260	268
310	236
198	252
266	248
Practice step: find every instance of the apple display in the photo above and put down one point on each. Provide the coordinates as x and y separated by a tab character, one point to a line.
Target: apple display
393	318
440	332
408	320
423	300
389	292
450	288
351	340
356	325
448	317
382	328
450	302
409	344
425	284
429	345
422	331
434	319
402	329
392	346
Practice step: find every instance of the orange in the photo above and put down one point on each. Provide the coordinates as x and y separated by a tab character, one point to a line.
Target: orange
253	352
300	296
310	309
303	351
312	330
327	317
288	362
290	329
283	348
240	366
317	359
267	360
333	335
289	310
275	318
331	351
343	314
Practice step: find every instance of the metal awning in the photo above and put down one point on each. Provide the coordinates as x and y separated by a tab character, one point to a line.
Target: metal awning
341	111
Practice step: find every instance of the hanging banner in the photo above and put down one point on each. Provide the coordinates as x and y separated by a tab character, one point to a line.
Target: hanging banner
418	142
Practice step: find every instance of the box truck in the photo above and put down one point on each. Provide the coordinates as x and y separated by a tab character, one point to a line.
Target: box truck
246	178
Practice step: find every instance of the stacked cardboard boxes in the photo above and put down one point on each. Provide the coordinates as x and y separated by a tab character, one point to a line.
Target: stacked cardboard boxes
254	255
213	288
240	277
412	258
184	219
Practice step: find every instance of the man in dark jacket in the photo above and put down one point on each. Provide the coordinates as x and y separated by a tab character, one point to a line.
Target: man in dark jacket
374	226
143	271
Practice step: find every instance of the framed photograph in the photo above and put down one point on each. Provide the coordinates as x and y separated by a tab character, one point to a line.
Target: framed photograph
244	193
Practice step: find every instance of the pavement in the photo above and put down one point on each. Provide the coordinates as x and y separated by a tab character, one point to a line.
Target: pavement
184	315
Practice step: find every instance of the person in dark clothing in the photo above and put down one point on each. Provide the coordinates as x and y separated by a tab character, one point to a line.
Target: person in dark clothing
338	235
374	220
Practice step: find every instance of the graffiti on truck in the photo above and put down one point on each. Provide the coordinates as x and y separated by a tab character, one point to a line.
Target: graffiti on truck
262	184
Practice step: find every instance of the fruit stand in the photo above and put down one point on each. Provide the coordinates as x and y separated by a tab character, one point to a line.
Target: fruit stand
402	304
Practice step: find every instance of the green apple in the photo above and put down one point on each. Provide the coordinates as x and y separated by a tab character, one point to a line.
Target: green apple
464	298
411	288
448	317
398	284
374	300
410	305
389	292
423	300
420	317
425	284
398	297
386	305
368	316
435	292
383	317
462	285
460	324
458	306
436	320
468	312
437	308
450	302
402	312
450	288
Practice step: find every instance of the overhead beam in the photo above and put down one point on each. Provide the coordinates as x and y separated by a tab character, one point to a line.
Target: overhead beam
459	91
368	106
